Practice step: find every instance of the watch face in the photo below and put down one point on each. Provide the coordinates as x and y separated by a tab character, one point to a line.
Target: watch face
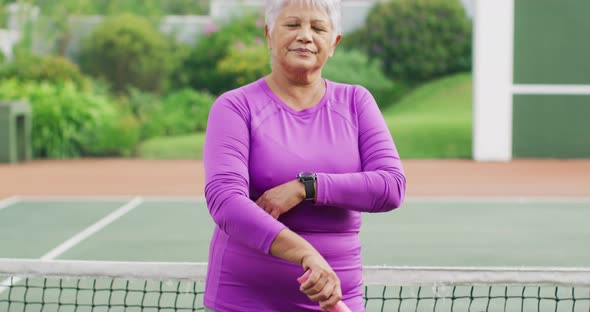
307	174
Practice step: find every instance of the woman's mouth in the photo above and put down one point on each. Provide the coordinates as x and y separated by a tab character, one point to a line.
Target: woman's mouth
303	51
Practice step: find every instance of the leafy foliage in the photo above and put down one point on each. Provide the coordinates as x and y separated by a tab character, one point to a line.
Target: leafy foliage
354	67
141	7
68	122
127	51
418	40
200	67
244	64
52	69
180	112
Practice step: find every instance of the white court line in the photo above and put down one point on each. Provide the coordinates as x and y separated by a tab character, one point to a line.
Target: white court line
76	239
89	231
8	202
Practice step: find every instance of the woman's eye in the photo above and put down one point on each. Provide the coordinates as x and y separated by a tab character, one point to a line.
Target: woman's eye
292	25
318	29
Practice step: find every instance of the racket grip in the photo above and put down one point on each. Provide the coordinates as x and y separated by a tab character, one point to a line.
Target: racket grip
339	307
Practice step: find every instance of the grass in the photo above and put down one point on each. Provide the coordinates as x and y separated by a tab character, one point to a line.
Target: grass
433	121
176	147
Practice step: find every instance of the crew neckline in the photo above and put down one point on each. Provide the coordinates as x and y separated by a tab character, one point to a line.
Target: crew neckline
264	85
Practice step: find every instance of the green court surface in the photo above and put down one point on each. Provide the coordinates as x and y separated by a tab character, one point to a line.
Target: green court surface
424	232
462	232
31	229
480	233
154	231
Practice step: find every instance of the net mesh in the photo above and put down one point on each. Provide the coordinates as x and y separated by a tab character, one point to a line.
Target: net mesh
88	294
33	285
477	298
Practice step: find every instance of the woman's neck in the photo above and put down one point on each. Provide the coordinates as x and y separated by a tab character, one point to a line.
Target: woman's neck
298	92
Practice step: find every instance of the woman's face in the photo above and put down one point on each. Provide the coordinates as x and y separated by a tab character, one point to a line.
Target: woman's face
302	38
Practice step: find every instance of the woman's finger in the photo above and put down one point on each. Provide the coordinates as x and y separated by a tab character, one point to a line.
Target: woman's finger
263	203
332	300
323	294
311	280
317	288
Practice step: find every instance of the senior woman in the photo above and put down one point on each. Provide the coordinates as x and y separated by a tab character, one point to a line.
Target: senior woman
291	162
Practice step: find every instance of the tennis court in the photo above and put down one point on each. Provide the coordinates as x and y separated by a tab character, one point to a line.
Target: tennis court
448	232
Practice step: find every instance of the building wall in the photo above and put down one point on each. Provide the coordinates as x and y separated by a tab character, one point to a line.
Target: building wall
551	54
531	79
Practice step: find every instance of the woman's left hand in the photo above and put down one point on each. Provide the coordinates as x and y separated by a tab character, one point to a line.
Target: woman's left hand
280	199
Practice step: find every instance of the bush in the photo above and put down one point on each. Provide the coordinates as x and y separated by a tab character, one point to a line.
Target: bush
181	112
353	40
143	106
244	64
51	69
68	122
139	7
117	137
199	69
127	51
186	111
354	67
3	15
418	40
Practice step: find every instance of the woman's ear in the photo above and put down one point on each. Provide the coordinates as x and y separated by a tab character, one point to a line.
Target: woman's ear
267	35
335	44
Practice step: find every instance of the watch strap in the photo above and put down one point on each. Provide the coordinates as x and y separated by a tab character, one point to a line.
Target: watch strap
309	189
308	179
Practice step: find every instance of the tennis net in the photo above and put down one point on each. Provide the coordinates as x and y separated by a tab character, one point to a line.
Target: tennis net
59	285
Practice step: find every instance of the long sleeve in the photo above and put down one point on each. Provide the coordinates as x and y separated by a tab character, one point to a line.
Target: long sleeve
225	156
381	184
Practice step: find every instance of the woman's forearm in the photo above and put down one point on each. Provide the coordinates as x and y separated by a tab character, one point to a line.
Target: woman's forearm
372	191
291	247
323	283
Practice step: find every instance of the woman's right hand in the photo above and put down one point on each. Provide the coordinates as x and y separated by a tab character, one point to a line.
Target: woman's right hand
323	285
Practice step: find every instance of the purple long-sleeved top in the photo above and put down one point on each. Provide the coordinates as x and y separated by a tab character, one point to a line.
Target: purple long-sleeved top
255	142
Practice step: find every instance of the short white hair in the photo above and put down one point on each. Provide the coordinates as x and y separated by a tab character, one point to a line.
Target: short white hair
332	8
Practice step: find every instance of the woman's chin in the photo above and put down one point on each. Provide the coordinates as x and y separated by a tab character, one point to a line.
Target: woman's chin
302	66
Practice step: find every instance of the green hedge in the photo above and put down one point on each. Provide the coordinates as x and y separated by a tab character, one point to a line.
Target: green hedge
52	69
140	7
199	70
128	51
418	40
182	111
354	67
244	64
68	122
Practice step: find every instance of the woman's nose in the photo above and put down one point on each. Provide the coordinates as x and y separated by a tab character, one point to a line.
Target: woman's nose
304	34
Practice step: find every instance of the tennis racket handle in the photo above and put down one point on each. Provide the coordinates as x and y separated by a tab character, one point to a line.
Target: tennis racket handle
339	307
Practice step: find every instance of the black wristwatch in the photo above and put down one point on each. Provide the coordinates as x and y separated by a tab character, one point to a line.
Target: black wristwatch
308	179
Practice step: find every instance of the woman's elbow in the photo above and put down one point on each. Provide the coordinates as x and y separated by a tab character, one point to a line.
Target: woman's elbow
217	203
213	205
390	203
395	195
